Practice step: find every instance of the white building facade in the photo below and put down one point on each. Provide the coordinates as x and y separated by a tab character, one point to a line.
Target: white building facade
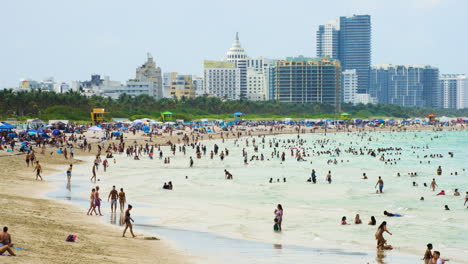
222	79
454	90
349	84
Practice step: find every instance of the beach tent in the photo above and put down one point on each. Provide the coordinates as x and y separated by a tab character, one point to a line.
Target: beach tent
6	126
94	128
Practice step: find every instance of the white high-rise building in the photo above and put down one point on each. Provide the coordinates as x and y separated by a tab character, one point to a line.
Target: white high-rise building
328	39
198	85
222	79
454	90
237	55
257	78
349	84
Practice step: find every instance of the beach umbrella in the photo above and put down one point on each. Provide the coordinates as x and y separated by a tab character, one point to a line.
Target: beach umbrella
56	132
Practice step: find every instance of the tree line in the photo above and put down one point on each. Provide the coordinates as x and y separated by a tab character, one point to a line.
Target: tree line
75	106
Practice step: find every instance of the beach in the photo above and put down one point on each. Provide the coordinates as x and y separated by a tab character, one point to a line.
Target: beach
41	225
205	213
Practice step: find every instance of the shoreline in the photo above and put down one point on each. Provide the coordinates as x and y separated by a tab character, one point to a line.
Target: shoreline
41	225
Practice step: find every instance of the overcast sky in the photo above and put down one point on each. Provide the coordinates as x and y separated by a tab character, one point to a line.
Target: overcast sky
71	39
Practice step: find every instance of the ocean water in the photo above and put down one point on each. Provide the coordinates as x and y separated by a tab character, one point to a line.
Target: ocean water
206	214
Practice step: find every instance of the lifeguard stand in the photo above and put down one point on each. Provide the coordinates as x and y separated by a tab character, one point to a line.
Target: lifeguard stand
431	117
97	116
238	115
166	116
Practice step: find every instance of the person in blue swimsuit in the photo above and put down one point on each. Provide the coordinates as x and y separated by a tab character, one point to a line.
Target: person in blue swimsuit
391	215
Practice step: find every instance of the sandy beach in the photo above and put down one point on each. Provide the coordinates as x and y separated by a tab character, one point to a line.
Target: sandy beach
41	225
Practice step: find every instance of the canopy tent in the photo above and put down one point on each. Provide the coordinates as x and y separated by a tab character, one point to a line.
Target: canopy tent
94	128
6	126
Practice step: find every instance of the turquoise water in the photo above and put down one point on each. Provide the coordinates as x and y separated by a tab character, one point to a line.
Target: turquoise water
242	209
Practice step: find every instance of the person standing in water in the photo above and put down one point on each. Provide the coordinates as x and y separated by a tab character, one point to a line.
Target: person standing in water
69	171
381	242
380	183
279	216
122	199
128	221
92	207
329	177
428	254
433	184
439	171
113	197
97	200
313	177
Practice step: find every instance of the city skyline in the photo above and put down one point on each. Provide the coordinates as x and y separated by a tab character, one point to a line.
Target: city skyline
36	46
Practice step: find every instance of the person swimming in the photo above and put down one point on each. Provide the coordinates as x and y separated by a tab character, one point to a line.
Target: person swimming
372	221
391	214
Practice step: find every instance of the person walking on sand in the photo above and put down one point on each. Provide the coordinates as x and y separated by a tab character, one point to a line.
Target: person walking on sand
94	173
92	206
433	184
122	199
5	242
69	172
113	197
381	242
279	216
38	170
380	183
128	221
97	200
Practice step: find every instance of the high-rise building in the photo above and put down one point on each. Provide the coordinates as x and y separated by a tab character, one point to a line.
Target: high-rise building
198	85
327	40
406	85
149	72
237	55
355	47
349	41
349	83
182	87
257	78
307	80
454	90
167	79
222	79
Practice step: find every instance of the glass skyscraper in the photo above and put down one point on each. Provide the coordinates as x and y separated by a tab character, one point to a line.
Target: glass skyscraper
406	85
355	47
348	41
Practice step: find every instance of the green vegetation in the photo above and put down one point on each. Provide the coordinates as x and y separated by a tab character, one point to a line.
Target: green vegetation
74	106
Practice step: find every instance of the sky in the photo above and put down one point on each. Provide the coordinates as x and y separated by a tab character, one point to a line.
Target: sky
72	39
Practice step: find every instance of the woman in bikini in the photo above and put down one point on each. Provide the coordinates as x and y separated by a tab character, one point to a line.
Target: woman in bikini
128	221
380	239
279	216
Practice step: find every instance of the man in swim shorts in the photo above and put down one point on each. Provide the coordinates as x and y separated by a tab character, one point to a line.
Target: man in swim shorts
380	183
113	197
97	200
